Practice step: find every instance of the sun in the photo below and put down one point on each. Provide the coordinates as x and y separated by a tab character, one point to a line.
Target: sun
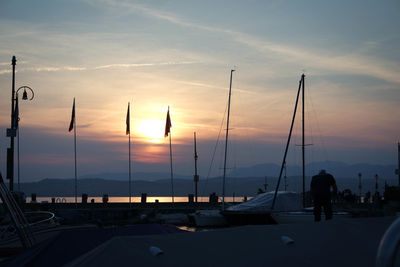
151	129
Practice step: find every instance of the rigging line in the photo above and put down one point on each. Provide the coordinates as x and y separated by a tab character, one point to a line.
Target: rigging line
323	146
310	135
214	152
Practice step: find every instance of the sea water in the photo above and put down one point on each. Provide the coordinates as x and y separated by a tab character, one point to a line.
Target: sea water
134	199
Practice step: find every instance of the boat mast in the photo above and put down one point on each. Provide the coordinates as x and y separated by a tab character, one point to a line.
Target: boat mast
196	176
287	143
226	142
302	142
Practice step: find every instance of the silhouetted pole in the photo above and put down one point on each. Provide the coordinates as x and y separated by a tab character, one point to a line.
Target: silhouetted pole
128	132
196	176
72	125
287	144
16	122
168	126
76	171
172	173
376	183
226	142
11	133
303	145
130	172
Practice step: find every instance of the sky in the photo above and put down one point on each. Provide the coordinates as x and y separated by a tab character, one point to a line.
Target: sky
156	54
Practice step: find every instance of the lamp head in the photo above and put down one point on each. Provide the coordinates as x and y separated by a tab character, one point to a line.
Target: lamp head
25	95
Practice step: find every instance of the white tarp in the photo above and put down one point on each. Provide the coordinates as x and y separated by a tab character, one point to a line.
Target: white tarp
285	201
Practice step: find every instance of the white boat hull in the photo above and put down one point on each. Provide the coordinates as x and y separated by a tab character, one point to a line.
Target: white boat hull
204	218
304	217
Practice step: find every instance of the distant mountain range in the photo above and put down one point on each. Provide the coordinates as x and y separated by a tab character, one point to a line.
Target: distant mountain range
182	187
146	176
338	169
241	181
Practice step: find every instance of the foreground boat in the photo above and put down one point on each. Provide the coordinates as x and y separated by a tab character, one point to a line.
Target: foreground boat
207	218
288	209
304	216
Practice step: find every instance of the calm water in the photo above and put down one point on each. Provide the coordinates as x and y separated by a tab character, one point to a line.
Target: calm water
150	199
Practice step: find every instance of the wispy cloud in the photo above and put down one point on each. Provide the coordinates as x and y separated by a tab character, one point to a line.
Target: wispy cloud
355	63
5	72
48	69
108	66
135	65
75	68
210	86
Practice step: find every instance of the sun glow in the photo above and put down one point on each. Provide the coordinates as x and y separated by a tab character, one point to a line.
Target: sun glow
152	130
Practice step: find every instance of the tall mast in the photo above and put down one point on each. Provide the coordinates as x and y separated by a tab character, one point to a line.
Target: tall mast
302	142
196	176
226	142
287	144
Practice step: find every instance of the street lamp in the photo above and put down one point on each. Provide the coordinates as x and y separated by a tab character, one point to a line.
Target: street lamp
12	132
25	94
16	111
359	183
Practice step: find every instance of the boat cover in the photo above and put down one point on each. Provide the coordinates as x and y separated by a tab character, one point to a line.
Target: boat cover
285	201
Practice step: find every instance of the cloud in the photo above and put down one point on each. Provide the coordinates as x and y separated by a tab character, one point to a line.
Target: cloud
108	66
344	63
210	86
134	65
75	68
5	71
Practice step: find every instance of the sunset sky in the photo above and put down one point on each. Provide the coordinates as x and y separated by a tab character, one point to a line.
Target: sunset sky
156	54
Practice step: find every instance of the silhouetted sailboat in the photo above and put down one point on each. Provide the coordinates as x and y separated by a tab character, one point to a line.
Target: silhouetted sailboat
214	217
281	206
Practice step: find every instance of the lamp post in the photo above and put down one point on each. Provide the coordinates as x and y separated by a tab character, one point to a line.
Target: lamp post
376	183
24	97
359	183
12	132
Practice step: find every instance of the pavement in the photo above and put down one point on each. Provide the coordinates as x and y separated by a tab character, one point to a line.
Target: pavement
350	242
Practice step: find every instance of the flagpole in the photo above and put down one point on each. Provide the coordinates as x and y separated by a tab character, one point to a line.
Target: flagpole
130	192
76	173
168	126
172	176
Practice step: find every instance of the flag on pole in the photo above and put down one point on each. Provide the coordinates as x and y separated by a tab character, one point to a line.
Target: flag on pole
71	124
16	114
128	124
168	125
